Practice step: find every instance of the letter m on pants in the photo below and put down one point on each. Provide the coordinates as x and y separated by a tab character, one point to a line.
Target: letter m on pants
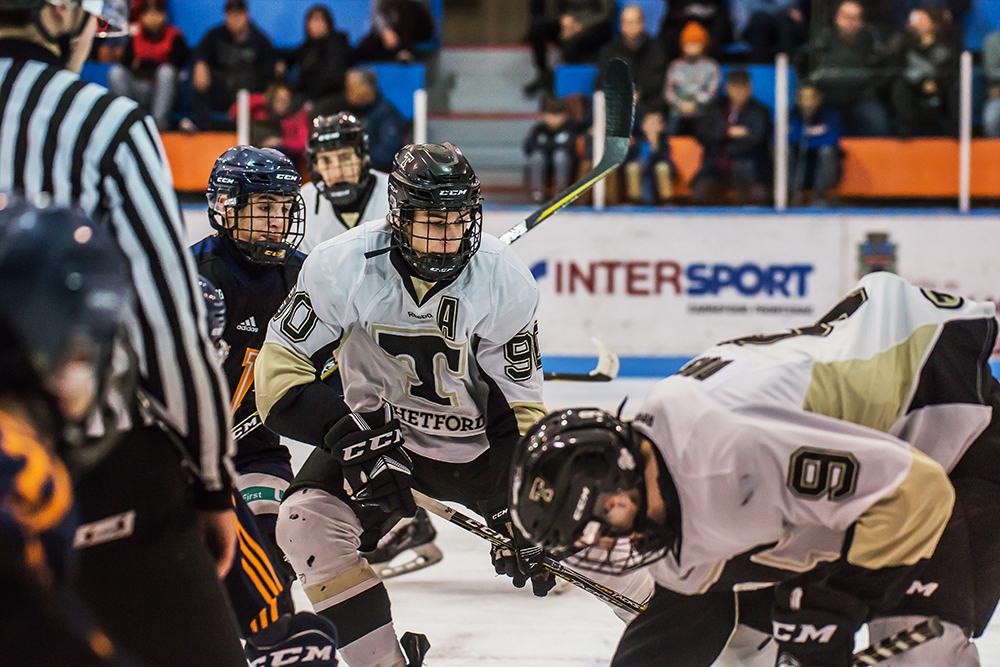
809	633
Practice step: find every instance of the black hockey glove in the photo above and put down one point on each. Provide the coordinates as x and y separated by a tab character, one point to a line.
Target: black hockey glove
524	562
377	470
814	626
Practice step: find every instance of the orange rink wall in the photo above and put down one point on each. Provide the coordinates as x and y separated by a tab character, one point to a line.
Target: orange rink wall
912	168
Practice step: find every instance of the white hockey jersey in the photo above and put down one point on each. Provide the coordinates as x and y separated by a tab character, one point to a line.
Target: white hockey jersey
773	441
322	223
448	359
890	356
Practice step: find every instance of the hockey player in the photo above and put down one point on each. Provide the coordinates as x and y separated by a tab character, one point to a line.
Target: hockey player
340	173
64	294
260	595
890	357
259	217
433	323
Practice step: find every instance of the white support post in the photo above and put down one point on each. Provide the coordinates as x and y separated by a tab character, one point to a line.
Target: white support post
781	132
965	134
600	113
420	116
243	117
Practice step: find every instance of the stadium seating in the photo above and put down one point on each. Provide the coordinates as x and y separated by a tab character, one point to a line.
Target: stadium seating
283	20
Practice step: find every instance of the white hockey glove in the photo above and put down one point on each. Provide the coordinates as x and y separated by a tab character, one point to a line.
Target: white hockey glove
377	470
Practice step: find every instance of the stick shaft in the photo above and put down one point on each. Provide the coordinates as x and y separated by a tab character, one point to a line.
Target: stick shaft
556	568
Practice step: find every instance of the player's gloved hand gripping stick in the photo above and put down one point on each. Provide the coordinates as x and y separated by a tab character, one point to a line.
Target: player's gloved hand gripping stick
377	470
552	566
522	560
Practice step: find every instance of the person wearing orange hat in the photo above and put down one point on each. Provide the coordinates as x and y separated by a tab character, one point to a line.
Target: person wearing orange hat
692	80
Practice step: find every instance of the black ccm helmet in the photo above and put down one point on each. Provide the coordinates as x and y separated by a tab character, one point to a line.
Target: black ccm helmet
564	469
330	133
239	174
436	179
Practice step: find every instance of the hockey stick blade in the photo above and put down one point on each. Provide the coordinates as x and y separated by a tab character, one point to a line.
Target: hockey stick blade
555	567
620	106
899	643
605	371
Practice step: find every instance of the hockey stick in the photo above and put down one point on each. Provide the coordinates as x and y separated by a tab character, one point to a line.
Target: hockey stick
555	567
899	643
620	105
605	371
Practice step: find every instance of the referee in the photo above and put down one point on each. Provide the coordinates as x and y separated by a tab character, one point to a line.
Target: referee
152	506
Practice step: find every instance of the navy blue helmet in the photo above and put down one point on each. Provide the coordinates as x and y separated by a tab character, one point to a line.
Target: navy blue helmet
332	133
253	198
215	309
436	209
65	294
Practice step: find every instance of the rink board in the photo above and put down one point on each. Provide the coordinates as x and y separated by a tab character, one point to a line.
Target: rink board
659	287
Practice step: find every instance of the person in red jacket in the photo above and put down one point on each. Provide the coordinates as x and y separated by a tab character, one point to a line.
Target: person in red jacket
150	63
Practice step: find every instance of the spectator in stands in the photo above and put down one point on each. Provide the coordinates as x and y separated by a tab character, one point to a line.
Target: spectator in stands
813	146
925	92
642	53
735	135
550	149
692	80
321	60
769	27
848	63
277	122
151	61
649	168
233	56
396	26
713	15
387	129
580	28
991	68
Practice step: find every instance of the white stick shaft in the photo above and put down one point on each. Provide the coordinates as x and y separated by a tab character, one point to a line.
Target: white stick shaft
600	116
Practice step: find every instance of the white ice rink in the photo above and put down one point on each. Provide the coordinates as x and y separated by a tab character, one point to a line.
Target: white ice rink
473	617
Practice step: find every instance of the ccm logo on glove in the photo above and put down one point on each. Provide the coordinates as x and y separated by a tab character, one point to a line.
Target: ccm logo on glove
373	444
786	632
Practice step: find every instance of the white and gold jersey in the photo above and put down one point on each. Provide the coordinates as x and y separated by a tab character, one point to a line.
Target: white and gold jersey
765	487
778	443
890	356
323	223
458	360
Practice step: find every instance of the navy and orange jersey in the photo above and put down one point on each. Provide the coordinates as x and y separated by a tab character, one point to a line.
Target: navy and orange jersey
37	516
255	588
253	294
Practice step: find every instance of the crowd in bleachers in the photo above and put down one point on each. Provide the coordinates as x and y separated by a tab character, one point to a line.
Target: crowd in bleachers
867	68
194	87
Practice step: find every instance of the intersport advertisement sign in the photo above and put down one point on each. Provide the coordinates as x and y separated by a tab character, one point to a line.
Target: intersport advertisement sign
653	285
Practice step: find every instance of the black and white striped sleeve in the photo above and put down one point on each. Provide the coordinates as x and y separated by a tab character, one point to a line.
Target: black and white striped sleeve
179	369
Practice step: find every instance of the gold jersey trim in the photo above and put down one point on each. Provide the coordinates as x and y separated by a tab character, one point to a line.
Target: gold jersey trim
276	370
885	380
906	525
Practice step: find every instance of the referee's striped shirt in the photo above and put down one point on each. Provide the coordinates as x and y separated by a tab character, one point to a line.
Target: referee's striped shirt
67	142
